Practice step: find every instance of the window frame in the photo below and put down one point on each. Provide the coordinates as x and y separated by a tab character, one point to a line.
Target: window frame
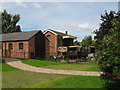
21	46
10	46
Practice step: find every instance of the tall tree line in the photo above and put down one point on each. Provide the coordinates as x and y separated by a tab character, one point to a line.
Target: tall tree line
9	22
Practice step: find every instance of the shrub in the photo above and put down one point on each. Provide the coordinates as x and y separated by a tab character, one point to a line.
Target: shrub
109	55
108	46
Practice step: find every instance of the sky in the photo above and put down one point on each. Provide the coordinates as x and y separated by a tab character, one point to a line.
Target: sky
80	19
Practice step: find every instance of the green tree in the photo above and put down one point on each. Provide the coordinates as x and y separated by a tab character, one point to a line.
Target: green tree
105	26
108	45
9	22
87	41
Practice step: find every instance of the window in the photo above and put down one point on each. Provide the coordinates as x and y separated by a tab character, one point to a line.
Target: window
10	46
20	45
49	37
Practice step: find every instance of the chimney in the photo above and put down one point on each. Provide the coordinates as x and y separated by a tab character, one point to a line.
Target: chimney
66	32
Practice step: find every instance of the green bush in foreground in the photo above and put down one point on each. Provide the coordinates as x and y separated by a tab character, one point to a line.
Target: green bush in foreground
108	46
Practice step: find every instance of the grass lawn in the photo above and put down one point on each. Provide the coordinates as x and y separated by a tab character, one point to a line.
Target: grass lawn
6	67
40	63
69	82
15	78
60	65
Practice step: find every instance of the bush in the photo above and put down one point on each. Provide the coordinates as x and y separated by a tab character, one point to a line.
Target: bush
109	53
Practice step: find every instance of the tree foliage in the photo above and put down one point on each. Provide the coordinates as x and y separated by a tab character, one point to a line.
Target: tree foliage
105	26
9	22
108	45
87	41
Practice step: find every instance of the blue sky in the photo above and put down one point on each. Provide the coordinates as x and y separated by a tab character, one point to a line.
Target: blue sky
78	18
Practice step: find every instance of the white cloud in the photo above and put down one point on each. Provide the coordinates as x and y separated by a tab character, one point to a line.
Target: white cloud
36	5
20	3
82	26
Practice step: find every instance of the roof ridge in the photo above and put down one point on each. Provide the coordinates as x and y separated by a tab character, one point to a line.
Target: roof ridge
21	32
19	36
57	31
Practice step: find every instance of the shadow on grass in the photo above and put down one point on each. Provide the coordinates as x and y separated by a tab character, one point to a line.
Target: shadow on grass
112	85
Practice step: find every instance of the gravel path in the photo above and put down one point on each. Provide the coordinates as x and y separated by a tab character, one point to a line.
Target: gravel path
18	64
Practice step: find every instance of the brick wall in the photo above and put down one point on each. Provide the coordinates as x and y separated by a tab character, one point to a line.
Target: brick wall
53	43
15	52
32	47
47	51
36	47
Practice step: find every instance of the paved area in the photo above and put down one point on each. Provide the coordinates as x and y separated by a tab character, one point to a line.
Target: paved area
18	64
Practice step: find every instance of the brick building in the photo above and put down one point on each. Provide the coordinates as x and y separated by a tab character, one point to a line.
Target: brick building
58	39
28	44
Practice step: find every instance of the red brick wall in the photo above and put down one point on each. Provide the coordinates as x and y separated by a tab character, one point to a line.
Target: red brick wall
16	52
31	47
53	43
47	51
32	44
39	46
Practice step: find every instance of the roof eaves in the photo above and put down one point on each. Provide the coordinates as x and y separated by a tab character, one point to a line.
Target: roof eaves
49	31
